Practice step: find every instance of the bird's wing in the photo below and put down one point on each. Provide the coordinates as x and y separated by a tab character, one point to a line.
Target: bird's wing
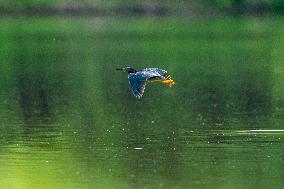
137	82
156	72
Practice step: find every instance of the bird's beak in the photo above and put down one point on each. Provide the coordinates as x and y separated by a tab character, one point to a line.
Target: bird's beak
118	69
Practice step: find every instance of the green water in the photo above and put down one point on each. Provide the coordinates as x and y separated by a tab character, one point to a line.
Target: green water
69	120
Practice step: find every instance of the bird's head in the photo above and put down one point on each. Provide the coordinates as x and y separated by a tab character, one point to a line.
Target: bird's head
127	69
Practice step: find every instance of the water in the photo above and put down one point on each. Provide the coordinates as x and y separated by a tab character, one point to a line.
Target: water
69	120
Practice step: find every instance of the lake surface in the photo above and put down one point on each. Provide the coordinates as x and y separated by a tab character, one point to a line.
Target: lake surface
69	120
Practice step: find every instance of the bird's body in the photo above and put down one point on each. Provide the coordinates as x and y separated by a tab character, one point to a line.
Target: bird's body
138	79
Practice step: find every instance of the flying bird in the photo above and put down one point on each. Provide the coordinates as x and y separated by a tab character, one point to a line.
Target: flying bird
138	78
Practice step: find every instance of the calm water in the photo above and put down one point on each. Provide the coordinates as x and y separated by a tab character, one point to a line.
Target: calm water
69	120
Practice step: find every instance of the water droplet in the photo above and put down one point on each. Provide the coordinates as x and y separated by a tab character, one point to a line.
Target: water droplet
138	148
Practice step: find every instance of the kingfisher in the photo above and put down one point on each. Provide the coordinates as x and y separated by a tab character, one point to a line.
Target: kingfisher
138	78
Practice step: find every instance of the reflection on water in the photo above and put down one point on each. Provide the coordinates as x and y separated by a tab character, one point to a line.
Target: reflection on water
69	120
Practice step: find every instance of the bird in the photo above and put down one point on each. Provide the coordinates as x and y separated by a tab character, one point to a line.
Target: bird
139	78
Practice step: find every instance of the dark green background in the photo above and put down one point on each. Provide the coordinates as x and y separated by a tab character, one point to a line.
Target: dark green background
69	120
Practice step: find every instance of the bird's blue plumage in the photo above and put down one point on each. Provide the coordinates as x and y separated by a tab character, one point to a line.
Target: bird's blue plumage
137	80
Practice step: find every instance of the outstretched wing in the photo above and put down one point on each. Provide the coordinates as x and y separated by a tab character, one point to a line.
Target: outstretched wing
157	72
137	82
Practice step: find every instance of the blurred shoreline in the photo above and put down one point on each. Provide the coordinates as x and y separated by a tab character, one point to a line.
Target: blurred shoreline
139	10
